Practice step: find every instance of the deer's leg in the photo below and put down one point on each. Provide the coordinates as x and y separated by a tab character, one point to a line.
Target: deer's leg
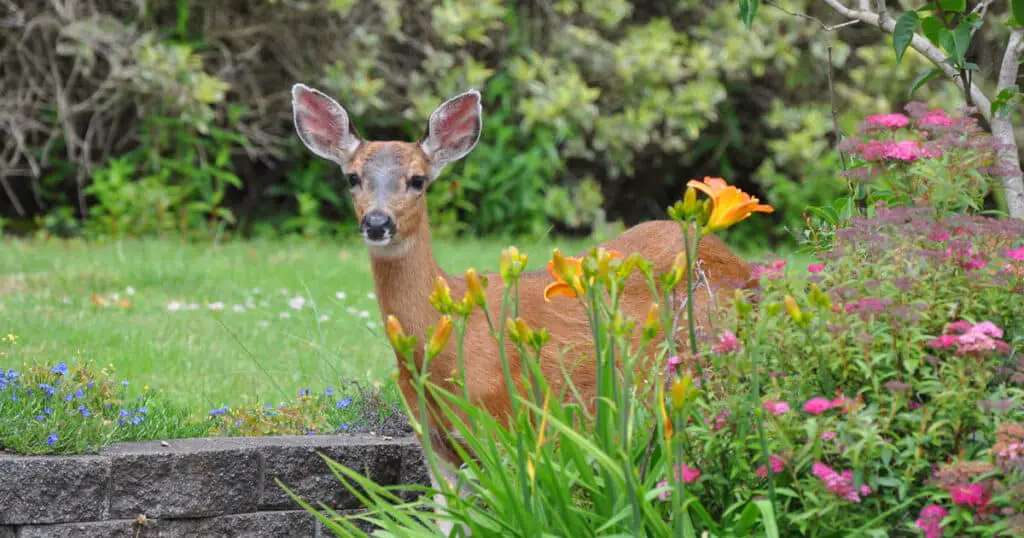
447	462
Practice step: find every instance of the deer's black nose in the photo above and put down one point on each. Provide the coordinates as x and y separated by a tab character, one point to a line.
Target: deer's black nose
378	225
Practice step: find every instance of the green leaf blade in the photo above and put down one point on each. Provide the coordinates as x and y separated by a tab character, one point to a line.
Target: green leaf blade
903	33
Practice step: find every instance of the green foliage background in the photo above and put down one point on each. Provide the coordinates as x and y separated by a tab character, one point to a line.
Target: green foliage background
595	112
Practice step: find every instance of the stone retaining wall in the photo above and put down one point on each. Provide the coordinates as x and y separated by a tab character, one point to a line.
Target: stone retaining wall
194	487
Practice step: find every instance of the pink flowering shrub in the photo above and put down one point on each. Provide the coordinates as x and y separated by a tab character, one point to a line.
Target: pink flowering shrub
888	383
925	157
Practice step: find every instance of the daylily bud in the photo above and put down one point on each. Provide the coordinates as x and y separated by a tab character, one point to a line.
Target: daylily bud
518	331
691	209
511	264
683	391
441	298
440	336
540	337
524	330
628	265
653	321
664	414
677	212
465	306
773	309
676	273
402	343
819	297
394	330
793	309
475	287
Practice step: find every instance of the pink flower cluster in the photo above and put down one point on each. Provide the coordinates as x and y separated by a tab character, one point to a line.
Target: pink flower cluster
778	465
893	150
772	271
673	362
727	343
685	473
819	405
840	484
965	256
971	338
930	520
969	495
776	407
1013	453
935	118
887	121
1016	254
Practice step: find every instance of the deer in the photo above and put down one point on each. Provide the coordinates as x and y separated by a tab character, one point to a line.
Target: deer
388	183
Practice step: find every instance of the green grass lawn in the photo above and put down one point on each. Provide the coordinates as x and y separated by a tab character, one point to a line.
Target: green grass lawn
61	300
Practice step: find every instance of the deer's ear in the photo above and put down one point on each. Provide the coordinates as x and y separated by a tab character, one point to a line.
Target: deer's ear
323	124
453	130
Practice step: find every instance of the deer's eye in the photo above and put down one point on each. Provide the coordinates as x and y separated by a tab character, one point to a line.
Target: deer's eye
417	182
353	180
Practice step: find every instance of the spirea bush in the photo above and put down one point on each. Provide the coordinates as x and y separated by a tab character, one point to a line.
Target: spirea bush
876	392
926	158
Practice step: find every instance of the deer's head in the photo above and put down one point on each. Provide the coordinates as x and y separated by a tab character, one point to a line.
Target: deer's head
388	180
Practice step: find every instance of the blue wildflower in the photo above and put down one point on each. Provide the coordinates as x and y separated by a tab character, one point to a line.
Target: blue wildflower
84	410
67	397
79	394
329	391
344	403
144	409
89	384
137	419
40	418
14	397
47	411
120	421
125	413
49	390
343	427
238	422
124	383
219	410
60	369
303	392
51	439
28	392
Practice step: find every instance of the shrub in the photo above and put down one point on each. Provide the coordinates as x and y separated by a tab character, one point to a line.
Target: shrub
924	158
629	94
877	392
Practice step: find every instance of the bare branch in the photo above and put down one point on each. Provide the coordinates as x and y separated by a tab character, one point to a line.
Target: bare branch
918	43
815	20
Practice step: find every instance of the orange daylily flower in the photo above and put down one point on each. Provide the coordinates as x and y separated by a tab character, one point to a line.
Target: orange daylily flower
568	273
730	204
